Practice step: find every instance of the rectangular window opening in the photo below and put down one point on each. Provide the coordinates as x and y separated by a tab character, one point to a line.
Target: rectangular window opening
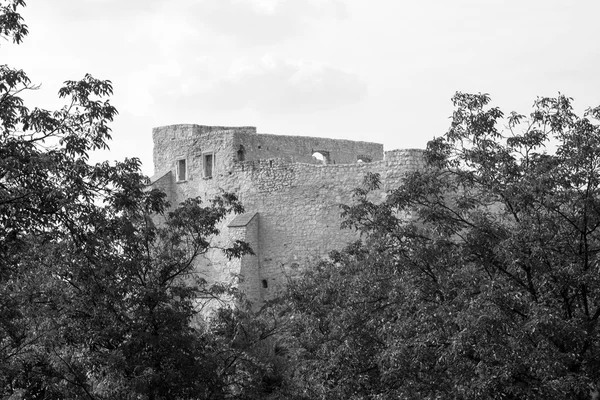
209	162
181	171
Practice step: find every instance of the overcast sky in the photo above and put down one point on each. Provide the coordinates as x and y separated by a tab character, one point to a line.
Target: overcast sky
378	70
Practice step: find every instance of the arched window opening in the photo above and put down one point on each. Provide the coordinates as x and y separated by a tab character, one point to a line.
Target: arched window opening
363	159
265	284
241	154
321	156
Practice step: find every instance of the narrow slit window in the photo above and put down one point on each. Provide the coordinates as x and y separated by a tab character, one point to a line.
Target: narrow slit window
181	171
209	162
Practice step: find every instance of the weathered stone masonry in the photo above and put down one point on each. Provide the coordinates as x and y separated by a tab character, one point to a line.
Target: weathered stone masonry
291	197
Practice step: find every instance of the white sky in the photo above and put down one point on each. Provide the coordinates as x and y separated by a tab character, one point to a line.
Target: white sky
378	70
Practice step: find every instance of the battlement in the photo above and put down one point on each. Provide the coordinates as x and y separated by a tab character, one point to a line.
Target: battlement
291	185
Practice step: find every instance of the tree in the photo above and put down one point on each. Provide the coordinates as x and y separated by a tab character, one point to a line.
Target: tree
45	184
11	22
97	301
476	278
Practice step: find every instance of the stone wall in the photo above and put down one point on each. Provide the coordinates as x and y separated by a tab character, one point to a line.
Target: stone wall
295	197
245	228
301	148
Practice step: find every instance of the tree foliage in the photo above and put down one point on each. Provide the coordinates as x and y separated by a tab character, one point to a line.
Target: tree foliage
478	277
12	26
97	301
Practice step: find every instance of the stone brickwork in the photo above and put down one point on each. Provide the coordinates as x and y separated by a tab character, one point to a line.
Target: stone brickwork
291	197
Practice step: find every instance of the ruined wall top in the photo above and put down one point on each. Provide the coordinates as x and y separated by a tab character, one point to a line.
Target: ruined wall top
188	131
237	144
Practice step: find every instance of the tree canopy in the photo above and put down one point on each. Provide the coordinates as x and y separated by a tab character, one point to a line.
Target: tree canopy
478	277
99	300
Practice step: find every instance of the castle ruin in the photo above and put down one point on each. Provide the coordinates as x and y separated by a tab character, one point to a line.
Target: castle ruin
291	188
